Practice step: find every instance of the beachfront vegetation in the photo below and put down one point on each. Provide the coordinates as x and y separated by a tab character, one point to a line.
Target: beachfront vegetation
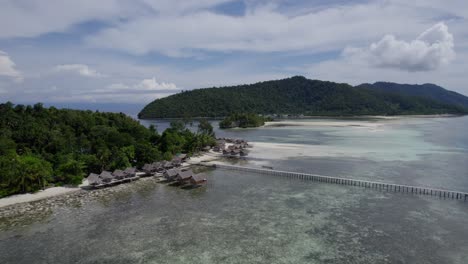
243	121
41	146
295	96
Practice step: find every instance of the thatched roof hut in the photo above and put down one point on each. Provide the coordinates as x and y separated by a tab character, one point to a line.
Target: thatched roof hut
171	174
119	174
106	176
148	168
168	165
176	161
93	179
130	172
158	166
235	152
197	179
184	175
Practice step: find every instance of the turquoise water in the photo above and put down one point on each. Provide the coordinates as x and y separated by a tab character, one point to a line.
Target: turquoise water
251	218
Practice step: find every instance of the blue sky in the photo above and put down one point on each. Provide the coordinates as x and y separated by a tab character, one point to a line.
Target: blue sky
134	51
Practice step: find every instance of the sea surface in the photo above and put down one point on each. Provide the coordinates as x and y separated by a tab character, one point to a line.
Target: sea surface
250	218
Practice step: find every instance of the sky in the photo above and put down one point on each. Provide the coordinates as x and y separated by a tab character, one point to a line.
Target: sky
130	52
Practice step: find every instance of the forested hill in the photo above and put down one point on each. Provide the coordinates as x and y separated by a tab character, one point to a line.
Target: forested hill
428	90
296	95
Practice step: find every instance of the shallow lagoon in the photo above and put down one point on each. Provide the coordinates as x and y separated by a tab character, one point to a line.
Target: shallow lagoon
251	218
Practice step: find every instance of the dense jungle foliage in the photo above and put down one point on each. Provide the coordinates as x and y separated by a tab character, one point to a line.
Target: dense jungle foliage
296	96
42	146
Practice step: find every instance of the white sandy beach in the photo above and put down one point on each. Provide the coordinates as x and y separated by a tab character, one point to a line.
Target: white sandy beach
331	123
30	197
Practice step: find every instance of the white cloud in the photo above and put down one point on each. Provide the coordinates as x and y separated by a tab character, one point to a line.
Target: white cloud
432	49
261	29
33	18
36	17
145	85
152	84
7	68
81	69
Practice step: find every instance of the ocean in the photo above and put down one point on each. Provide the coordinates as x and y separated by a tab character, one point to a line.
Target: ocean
241	217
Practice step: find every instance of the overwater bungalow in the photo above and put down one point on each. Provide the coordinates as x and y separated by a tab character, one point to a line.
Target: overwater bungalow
93	179
158	166
197	179
119	174
176	161
148	169
106	176
167	165
171	174
184	176
130	172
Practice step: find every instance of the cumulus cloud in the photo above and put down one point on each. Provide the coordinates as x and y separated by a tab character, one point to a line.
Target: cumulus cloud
7	68
432	49
145	85
81	69
152	84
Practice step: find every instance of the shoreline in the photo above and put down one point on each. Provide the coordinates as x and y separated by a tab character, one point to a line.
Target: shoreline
52	192
323	117
37	196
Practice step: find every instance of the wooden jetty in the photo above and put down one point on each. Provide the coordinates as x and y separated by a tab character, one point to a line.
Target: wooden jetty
417	190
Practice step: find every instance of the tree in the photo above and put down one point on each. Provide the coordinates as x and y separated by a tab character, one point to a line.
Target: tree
205	127
71	172
33	173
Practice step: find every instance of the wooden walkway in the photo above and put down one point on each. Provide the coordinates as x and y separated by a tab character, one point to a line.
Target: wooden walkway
455	195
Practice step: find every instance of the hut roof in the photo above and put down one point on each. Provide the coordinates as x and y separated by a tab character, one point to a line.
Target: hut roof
171	173
148	167
93	179
119	173
176	160
185	175
106	175
197	178
130	170
168	164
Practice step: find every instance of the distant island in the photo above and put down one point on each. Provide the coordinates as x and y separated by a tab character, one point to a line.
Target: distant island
300	96
243	121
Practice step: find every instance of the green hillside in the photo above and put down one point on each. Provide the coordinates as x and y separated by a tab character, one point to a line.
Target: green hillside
296	95
428	90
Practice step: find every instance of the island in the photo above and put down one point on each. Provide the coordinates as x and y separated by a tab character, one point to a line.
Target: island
243	121
298	96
